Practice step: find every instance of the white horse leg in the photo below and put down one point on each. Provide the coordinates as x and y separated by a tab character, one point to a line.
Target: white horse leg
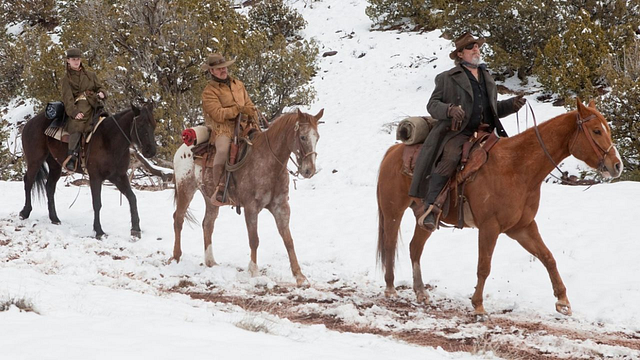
186	185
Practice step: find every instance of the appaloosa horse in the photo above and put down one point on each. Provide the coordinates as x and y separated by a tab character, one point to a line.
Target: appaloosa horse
503	197
262	183
106	157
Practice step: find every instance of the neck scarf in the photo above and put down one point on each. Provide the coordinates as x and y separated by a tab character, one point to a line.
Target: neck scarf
226	81
473	66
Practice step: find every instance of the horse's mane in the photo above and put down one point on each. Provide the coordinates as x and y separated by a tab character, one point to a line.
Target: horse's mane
278	126
530	132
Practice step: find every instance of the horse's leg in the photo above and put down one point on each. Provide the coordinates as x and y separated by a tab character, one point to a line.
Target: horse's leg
251	219
388	242
184	192
416	246
530	239
96	188
54	175
29	180
210	216
487	237
281	212
121	181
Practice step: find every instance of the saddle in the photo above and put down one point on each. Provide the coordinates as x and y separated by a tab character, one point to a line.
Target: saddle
475	153
55	112
205	153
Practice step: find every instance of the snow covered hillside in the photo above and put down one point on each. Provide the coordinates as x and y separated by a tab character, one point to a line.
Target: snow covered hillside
117	298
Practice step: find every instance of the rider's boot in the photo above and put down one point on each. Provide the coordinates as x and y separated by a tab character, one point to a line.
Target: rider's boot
216	176
429	220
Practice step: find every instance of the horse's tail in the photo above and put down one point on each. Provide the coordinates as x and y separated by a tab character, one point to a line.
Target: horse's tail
383	252
39	182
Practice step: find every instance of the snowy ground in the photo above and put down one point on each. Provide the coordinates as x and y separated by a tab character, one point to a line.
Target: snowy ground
118	298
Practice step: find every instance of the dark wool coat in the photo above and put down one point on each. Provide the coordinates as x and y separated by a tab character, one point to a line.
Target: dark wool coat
452	87
80	95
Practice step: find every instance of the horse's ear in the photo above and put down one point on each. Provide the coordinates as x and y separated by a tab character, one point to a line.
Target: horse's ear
299	112
579	104
135	109
319	114
592	104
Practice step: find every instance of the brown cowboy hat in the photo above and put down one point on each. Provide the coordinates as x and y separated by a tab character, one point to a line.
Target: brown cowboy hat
215	61
464	40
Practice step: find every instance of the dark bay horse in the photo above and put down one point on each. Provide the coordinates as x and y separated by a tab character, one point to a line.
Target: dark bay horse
262	183
503	197
107	158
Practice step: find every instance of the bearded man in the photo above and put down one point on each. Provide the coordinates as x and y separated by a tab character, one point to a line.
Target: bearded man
465	97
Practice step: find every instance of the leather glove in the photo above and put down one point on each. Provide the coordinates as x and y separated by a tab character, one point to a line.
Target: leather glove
246	110
457	115
518	102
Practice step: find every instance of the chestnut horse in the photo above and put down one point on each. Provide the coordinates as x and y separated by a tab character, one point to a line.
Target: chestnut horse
503	198
107	158
262	182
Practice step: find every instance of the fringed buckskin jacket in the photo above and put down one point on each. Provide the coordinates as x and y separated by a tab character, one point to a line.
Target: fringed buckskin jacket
220	106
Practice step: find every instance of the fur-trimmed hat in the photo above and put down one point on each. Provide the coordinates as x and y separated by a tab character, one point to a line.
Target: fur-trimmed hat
74	53
464	40
215	61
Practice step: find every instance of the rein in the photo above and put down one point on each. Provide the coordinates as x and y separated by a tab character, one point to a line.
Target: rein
134	127
579	121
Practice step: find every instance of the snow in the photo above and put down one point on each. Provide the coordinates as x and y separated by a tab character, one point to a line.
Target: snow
117	298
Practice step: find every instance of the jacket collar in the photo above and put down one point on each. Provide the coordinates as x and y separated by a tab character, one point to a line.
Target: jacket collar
458	75
217	84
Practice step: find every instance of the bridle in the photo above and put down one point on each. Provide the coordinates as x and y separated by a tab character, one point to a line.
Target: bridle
600	152
131	131
301	154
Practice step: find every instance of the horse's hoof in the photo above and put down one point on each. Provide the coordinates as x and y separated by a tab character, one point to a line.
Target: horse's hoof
210	262
422	297
302	281
563	308
390	293
136	234
56	222
24	215
481	317
174	258
100	236
253	269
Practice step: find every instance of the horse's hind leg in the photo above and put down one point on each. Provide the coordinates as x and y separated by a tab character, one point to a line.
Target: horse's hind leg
184	192
121	181
34	176
54	175
29	179
387	247
281	213
530	239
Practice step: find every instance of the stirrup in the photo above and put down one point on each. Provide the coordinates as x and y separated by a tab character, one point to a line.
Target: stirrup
436	212
218	202
66	162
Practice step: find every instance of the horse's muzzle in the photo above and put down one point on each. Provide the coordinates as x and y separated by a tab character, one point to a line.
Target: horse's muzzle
612	166
149	151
